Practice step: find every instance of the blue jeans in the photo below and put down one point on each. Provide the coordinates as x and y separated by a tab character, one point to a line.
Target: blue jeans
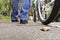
23	12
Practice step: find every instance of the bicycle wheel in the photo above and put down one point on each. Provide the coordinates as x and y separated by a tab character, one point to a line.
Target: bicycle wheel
47	10
35	11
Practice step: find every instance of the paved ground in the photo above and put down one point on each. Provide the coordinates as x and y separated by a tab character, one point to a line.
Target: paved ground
30	31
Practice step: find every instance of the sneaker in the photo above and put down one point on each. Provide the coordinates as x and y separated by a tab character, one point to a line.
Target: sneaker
14	20
23	21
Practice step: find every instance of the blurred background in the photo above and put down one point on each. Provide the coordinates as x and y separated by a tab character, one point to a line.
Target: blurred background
6	9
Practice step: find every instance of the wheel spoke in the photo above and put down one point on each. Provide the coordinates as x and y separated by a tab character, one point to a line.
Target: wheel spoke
45	8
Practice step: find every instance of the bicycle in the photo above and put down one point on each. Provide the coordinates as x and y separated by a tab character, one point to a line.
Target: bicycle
46	10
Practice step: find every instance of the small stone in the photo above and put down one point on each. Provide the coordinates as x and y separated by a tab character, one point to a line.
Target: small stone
45	29
31	18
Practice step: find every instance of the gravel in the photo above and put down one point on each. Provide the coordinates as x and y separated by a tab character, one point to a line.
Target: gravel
30	31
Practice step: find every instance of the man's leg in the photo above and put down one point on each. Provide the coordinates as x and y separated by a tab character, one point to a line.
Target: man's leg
14	10
24	11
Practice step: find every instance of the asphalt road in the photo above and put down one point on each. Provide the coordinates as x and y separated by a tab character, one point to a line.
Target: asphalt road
30	31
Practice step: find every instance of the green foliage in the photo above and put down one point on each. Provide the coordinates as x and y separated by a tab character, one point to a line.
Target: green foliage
5	18
5	5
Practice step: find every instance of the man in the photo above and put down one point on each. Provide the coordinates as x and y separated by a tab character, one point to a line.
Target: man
23	12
